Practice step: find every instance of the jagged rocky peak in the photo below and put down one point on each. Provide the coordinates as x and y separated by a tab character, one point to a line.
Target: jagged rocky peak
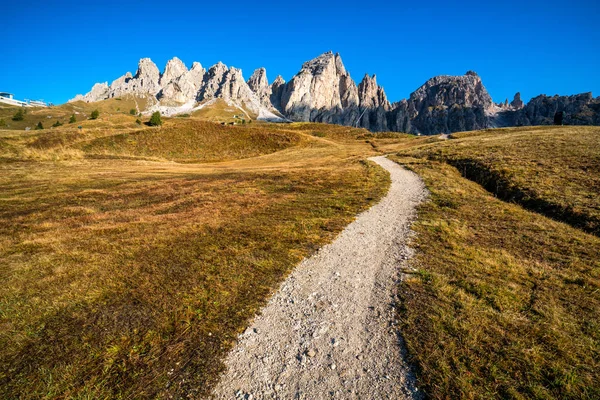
370	94
212	81
278	81
259	84
147	78
320	91
258	80
234	86
182	85
276	90
450	104
517	103
174	69
446	91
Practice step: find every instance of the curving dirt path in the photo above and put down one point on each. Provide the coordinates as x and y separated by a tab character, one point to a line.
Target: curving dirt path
329	331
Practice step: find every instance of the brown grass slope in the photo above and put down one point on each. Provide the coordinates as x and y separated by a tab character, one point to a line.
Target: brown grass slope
113	113
552	170
131	279
506	301
128	270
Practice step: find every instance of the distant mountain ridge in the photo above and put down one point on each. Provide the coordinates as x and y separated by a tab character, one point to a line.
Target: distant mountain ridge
324	91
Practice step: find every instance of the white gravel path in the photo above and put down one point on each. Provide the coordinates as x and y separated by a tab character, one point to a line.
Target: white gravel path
329	331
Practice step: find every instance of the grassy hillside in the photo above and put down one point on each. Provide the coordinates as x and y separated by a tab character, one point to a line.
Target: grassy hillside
191	140
505	301
131	279
552	170
128	268
220	111
113	113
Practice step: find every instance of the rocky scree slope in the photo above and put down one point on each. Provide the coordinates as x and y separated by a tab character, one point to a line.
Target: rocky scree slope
324	91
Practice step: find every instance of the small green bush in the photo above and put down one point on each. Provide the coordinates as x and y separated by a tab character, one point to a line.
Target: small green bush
155	119
95	114
19	115
72	120
39	126
57	124
132	111
137	121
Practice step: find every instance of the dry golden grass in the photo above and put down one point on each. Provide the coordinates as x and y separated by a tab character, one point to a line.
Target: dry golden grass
552	170
131	279
191	140
505	303
128	274
114	114
220	111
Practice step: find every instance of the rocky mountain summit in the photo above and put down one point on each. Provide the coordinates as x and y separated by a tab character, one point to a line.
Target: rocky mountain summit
324	91
178	89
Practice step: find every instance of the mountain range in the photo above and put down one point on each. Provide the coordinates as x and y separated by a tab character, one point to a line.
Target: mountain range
324	91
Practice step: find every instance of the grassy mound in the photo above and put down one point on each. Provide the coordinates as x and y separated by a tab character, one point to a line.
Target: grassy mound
188	140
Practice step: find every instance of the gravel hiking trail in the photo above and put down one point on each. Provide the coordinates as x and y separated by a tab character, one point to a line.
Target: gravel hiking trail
329	332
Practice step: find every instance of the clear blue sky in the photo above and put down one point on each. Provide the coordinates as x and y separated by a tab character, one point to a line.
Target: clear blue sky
56	49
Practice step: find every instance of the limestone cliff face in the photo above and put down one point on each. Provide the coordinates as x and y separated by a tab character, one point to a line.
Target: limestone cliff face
374	105
446	104
580	109
314	91
323	91
276	91
259	84
181	86
99	91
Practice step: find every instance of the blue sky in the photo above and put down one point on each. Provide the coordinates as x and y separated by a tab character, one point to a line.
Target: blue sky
54	50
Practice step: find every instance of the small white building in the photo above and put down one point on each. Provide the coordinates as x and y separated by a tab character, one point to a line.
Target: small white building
9	98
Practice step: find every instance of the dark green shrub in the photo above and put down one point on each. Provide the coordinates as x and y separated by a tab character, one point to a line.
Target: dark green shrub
72	120
155	119
39	126
19	115
57	124
132	111
137	121
95	114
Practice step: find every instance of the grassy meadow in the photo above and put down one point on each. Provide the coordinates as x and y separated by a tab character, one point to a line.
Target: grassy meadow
130	278
132	256
506	298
